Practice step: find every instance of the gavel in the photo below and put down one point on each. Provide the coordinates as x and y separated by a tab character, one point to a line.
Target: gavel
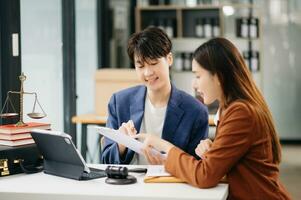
119	175
116	172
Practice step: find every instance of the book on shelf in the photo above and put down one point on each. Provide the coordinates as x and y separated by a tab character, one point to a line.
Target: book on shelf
12	129
14	143
16	136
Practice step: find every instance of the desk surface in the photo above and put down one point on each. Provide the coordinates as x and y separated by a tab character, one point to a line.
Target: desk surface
97	119
48	187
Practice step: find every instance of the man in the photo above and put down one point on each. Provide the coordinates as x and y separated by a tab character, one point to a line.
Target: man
156	107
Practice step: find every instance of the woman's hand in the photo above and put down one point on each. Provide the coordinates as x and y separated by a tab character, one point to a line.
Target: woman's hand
152	157
154	142
203	147
128	129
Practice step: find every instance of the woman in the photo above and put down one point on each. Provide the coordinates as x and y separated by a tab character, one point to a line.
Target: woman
246	148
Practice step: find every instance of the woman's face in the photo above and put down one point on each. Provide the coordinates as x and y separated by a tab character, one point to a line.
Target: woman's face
206	84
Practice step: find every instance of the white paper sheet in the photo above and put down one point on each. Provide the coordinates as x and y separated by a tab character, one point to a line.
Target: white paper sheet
123	139
156	170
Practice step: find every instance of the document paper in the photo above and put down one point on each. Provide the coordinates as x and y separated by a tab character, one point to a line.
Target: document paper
156	170
123	139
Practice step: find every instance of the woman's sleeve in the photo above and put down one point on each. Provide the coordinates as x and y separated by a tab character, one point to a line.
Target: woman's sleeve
233	140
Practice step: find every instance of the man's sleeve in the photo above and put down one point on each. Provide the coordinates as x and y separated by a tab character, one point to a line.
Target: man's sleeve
110	153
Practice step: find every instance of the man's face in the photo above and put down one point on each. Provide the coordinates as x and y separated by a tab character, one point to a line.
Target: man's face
154	74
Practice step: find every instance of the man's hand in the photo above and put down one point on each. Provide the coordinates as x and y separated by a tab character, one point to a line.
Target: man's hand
128	129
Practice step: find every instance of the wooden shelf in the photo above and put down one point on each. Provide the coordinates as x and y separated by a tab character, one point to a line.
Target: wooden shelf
184	16
211	120
176	7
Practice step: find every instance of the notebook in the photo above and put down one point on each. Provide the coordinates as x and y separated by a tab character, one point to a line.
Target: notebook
61	158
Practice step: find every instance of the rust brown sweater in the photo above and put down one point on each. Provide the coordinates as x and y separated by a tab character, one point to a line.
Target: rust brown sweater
241	151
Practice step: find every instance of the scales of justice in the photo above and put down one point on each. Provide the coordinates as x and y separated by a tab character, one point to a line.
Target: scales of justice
8	103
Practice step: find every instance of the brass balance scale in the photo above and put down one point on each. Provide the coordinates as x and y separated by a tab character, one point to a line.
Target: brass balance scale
8	103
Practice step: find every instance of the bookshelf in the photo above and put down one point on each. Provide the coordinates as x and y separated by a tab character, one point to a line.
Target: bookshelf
182	20
190	26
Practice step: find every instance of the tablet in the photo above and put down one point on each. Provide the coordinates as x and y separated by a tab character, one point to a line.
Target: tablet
61	157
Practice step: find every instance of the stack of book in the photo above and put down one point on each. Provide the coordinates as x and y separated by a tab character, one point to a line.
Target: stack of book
11	135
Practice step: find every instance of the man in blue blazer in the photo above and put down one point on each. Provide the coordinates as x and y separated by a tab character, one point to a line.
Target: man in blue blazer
157	107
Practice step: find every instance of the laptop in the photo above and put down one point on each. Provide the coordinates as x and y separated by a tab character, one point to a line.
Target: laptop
61	158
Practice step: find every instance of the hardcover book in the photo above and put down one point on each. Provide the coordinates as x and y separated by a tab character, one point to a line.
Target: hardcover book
14	143
12	129
17	136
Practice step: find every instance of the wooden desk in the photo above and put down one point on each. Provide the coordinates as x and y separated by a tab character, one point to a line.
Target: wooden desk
87	119
84	120
211	120
48	187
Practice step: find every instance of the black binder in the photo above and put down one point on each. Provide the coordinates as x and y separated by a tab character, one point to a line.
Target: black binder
61	158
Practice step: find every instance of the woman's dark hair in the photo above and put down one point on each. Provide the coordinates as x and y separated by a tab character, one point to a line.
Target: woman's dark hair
219	56
149	44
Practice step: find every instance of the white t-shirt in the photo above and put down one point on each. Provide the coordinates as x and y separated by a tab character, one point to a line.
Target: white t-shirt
152	123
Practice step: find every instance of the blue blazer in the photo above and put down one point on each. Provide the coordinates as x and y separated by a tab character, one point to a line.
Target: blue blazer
186	121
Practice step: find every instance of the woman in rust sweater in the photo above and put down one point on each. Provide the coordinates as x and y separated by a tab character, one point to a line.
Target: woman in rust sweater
246	149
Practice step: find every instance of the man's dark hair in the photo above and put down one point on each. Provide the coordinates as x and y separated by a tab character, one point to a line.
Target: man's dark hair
149	44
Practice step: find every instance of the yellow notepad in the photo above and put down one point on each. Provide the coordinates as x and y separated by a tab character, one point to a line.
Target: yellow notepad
162	179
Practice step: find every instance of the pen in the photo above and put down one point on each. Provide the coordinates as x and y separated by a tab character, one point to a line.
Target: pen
138	170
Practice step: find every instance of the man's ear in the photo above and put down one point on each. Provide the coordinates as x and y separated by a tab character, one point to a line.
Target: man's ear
169	59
